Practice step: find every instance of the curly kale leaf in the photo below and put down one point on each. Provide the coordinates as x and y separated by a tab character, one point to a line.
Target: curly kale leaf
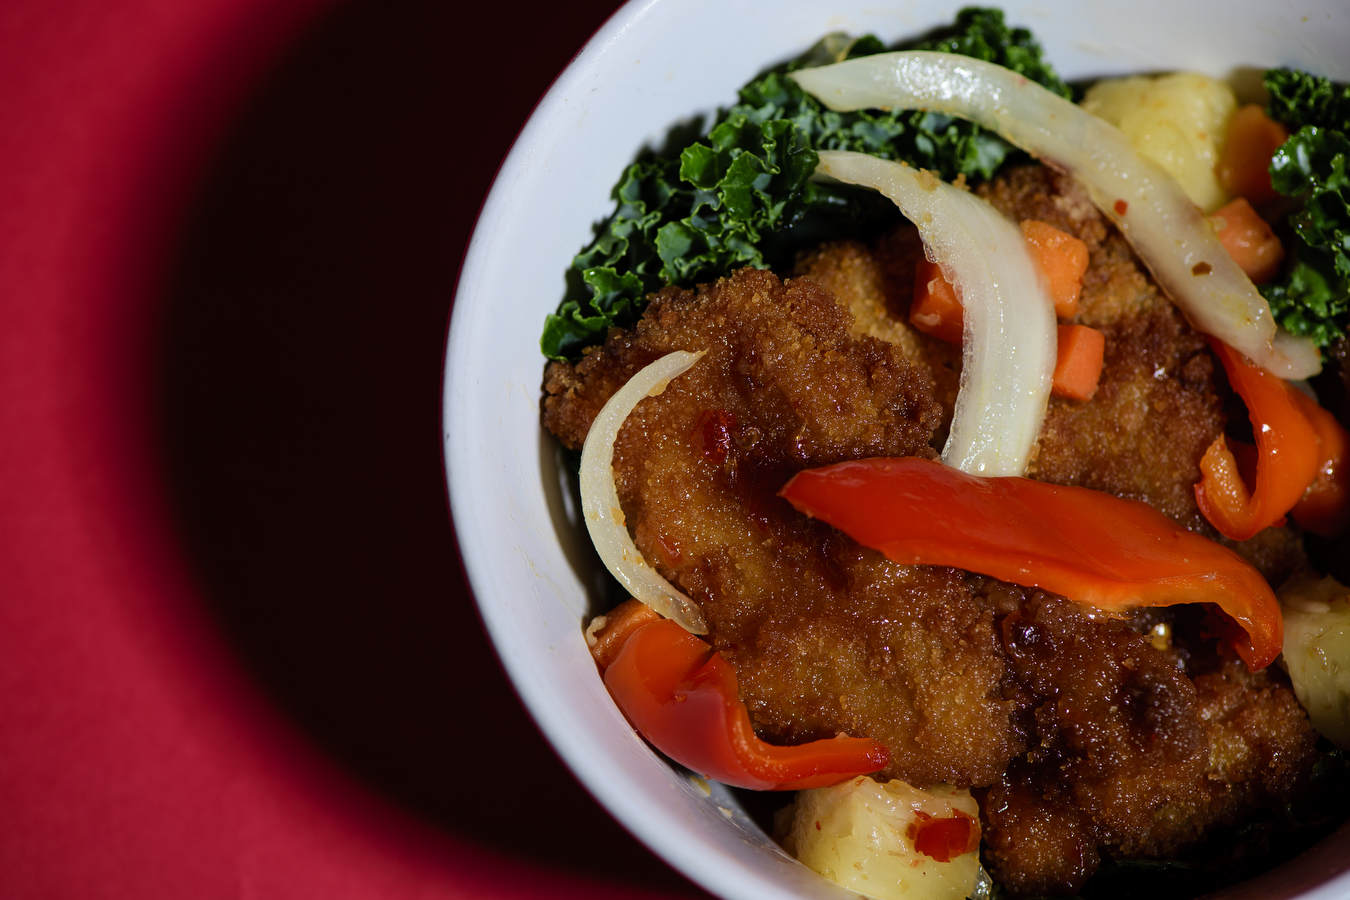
1298	99
1313	299
1312	163
741	195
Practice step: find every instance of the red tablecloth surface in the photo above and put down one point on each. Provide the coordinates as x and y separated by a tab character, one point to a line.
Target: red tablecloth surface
155	740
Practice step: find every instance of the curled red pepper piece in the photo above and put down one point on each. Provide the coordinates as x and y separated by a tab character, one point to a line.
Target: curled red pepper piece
1287	454
1325	508
681	696
1092	547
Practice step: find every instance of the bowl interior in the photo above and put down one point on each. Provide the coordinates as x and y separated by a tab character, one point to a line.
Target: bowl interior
655	64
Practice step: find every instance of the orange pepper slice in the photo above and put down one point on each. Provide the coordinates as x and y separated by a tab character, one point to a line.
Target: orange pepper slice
682	697
1288	454
1325	508
1091	547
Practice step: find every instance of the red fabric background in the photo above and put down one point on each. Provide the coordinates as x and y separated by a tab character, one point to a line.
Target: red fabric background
137	756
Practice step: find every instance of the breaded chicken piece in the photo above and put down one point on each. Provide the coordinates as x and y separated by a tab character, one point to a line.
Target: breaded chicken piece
1082	734
878	285
825	636
1130	755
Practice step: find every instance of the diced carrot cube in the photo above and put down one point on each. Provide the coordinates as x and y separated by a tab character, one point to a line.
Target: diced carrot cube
1244	164
1078	365
1063	258
1249	240
936	309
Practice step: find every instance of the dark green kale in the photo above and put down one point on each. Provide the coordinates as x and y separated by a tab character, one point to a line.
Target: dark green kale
1298	99
741	195
1313	299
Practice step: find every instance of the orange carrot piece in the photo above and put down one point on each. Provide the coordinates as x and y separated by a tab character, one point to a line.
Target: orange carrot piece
936	309
1063	258
1248	239
1078	366
619	623
1244	165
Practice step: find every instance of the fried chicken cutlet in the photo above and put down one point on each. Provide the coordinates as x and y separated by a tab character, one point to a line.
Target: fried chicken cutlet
1083	734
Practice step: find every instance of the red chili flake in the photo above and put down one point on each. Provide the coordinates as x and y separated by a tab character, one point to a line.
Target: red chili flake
712	435
1201	268
817	824
942	840
1121	207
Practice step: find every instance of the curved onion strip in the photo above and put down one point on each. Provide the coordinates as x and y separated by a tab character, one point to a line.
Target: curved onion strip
1146	204
1009	341
600	499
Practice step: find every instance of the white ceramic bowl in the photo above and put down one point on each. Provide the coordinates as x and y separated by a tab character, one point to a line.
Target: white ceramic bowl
657	62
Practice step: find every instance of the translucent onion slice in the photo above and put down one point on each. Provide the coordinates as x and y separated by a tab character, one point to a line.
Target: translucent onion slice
1010	340
1150	208
600	499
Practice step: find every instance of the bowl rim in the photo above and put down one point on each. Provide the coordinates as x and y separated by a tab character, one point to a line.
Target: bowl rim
653	827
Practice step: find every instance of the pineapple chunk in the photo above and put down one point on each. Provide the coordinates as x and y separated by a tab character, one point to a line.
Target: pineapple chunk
1317	651
890	841
1179	121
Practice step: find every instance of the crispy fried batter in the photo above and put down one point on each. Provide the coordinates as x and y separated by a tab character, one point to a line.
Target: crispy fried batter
1130	754
877	286
824	635
1084	734
779	359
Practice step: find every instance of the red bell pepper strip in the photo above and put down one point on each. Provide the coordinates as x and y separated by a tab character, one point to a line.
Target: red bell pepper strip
606	641
1288	450
1325	508
681	696
1091	547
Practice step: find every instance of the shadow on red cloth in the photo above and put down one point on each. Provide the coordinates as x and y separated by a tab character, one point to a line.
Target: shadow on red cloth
299	413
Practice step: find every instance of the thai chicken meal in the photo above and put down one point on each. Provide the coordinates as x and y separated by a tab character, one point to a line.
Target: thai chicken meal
969	446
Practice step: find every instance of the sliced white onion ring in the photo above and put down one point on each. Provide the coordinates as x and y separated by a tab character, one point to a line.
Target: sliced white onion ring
1170	235
600	499
1009	343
